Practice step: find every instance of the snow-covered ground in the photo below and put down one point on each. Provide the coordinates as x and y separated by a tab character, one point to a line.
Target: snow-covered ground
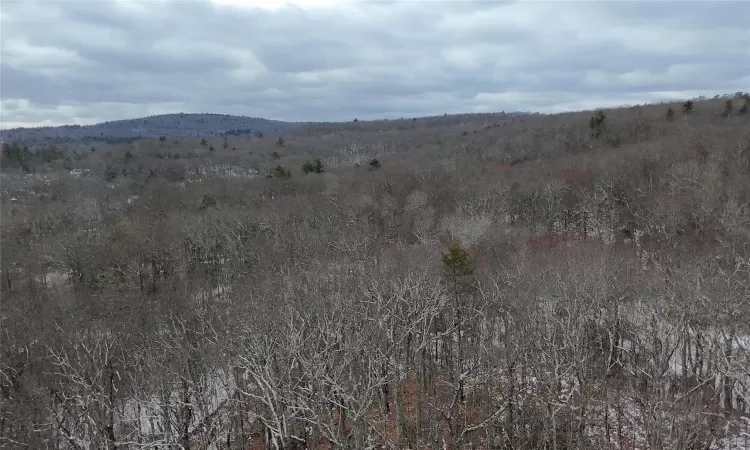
225	171
155	417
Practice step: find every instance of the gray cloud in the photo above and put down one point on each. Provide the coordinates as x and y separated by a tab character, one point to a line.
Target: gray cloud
72	61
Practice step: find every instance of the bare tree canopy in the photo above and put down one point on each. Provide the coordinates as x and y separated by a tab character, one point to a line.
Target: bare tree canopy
572	281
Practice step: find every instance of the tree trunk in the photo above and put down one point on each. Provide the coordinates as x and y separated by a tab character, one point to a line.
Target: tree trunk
112	441
509	426
400	419
384	391
186	415
727	380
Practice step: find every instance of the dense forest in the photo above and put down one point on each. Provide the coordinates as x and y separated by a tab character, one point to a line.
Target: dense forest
569	281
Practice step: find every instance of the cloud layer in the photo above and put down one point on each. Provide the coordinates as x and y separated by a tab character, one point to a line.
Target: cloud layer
71	61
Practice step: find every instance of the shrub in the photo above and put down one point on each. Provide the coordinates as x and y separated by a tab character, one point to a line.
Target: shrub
206	202
279	172
110	174
316	167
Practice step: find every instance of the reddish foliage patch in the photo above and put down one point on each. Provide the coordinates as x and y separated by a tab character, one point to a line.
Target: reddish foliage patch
544	242
256	437
501	168
387	243
577	179
623	241
476	250
445	240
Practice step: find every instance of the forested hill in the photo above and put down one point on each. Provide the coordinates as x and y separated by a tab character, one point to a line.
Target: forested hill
174	126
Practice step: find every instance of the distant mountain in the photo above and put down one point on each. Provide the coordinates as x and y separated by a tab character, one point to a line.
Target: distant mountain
171	126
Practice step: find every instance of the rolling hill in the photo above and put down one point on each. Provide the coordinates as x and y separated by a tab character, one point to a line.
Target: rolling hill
173	126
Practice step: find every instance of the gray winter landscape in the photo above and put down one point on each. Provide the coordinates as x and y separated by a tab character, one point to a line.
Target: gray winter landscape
335	225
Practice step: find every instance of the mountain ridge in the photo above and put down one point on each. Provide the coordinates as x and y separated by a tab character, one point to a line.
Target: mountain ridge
173	126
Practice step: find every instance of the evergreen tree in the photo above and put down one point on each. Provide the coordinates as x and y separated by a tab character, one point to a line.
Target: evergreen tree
597	124
458	264
316	167
459	275
687	107
728	107
279	172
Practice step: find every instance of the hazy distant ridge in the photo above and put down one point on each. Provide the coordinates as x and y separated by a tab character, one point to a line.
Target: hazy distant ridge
173	126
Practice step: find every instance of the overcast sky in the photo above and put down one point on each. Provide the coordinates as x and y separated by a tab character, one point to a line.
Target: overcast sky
88	61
